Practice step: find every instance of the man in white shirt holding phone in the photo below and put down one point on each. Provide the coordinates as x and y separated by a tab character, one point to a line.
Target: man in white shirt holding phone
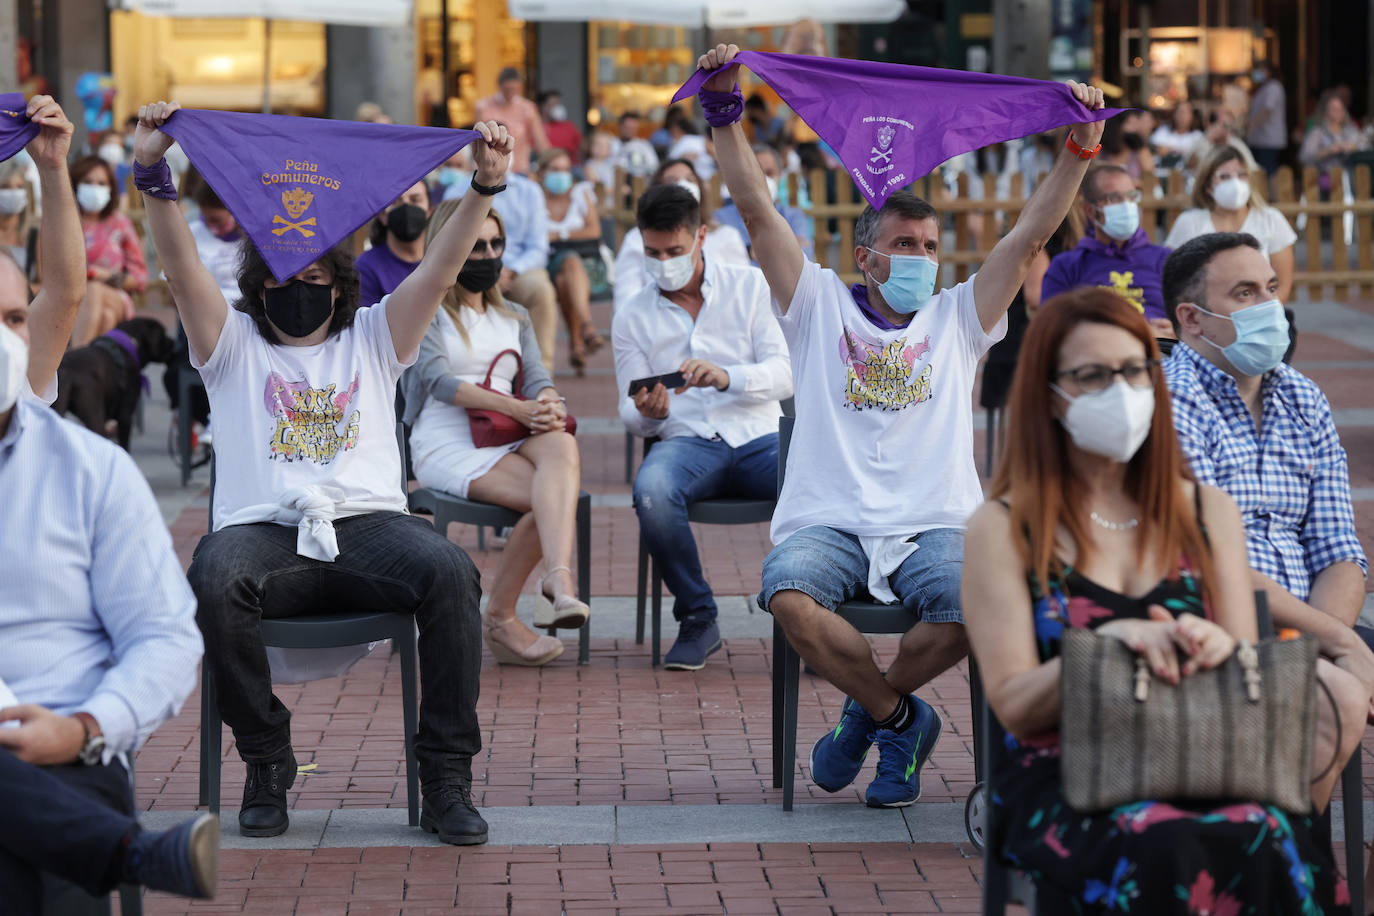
718	424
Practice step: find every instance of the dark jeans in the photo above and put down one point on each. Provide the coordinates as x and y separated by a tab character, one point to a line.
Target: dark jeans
1267	158
685	469
387	561
60	831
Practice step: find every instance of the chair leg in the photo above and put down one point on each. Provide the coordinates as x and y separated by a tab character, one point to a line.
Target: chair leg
629	457
1352	793
184	426
130	900
407	640
779	644
656	609
584	573
211	741
482	537
791	687
641	591
975	693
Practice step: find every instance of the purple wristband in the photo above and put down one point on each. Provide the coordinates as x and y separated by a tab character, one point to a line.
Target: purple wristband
155	180
722	108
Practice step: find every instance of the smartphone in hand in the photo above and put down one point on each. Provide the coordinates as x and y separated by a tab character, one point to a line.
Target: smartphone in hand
670	381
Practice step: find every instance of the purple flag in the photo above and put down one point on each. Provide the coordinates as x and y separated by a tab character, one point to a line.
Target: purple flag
891	124
299	186
16	130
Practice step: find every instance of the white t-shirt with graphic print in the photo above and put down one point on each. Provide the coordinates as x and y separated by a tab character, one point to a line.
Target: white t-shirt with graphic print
883	441
293	417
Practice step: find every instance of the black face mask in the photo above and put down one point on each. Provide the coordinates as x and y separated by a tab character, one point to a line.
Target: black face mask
406	222
479	274
299	308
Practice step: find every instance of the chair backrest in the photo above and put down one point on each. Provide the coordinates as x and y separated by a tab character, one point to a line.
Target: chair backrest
1262	615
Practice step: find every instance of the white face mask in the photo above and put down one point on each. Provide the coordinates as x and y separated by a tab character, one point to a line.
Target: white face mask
672	274
113	153
1231	193
772	187
1113	422
92	197
14	363
13	200
690	187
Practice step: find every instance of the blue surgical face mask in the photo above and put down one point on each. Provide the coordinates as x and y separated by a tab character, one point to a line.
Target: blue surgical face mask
1121	220
1261	337
558	182
448	175
910	281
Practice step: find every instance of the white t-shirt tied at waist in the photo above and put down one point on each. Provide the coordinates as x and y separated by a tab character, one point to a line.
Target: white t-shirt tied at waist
305	435
883	443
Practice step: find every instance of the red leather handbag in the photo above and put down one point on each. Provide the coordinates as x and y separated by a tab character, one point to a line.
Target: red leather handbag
491	427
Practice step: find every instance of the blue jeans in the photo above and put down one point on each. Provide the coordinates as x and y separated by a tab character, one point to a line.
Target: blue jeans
685	469
831	567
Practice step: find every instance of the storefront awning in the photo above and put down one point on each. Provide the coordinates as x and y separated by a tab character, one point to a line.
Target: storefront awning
333	12
717	14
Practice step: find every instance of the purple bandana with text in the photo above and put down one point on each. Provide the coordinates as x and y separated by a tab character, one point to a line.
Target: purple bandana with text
891	124
16	130
299	186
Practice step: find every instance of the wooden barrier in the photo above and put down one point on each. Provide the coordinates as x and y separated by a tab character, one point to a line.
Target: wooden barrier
977	224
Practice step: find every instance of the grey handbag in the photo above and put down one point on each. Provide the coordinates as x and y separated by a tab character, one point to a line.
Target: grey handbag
1242	730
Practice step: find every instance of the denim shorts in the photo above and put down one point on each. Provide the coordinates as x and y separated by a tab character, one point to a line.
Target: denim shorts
831	567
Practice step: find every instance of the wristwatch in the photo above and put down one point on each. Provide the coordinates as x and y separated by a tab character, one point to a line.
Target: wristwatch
1081	152
93	750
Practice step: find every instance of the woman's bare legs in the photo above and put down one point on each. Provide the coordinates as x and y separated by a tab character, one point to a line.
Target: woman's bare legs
1352	701
101	309
574	301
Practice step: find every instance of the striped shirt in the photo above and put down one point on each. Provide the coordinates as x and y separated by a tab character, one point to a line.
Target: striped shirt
95	613
1290	479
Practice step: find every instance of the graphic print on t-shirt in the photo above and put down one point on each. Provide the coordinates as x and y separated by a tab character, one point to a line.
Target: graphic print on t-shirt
882	375
1122	283
306	421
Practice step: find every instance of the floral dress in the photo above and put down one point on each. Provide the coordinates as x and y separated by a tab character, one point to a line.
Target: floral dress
1148	857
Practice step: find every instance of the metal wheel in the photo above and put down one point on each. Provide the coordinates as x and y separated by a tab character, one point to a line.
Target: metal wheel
976	815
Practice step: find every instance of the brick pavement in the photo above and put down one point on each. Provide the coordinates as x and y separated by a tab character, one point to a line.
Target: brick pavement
783	879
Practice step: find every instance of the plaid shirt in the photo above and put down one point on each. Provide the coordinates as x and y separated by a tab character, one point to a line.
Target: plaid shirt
1290	481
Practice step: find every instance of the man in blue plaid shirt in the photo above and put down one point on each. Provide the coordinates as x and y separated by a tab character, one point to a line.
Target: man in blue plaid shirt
1263	432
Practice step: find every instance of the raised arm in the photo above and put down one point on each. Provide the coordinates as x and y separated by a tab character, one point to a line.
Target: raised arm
412	306
775	243
996	283
53	311
194	291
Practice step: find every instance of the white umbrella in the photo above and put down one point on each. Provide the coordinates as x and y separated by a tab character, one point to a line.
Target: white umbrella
716	14
334	12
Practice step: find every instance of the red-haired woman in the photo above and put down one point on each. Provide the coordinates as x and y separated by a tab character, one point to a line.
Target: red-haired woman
1097	523
115	266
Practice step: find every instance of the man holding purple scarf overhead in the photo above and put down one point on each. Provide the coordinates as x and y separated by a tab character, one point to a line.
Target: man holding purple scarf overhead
881	477
309	512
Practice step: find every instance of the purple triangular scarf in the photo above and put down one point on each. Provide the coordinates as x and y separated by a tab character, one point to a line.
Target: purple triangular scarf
16	130
891	124
299	186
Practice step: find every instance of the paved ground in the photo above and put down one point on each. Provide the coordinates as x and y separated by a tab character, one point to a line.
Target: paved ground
618	788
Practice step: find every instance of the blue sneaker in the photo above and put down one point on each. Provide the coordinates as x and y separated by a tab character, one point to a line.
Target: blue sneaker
837	756
900	758
697	638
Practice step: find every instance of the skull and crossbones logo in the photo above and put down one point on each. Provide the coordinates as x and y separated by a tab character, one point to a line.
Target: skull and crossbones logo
883	151
296	201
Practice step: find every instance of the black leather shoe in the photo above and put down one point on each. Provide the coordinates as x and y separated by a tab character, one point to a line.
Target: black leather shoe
448	811
264	797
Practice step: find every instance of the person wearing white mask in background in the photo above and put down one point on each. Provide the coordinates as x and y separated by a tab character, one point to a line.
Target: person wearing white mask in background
771	164
718	428
1263	432
1116	252
723	244
115	266
113	150
18	228
1226	200
573	222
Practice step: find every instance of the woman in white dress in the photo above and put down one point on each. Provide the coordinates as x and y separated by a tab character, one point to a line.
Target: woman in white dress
723	245
1224	200
538	476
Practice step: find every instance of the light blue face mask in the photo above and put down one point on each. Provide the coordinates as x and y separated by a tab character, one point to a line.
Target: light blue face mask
1261	337
558	182
448	175
910	281
1121	220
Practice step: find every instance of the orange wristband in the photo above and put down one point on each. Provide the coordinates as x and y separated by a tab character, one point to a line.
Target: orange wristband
1079	151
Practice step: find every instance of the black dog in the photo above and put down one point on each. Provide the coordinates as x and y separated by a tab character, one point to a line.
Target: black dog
102	382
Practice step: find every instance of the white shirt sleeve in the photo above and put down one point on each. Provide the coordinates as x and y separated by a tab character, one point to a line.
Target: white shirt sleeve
726	245
769	376
631	362
1189	225
1279	234
630	276
971	325
227	348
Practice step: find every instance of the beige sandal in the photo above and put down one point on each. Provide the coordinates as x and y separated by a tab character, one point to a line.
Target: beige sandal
541	651
562	612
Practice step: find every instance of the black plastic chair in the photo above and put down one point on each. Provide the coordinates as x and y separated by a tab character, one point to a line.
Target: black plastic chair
323	631
1352	786
446	507
1002	884
868	617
